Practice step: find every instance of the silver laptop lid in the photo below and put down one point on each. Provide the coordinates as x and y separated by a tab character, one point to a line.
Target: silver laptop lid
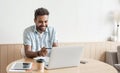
66	56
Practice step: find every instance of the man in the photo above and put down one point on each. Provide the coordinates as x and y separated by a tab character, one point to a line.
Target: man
39	38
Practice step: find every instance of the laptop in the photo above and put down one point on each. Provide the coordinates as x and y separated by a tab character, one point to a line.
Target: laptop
61	57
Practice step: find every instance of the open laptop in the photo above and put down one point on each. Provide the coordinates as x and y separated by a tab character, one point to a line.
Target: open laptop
61	57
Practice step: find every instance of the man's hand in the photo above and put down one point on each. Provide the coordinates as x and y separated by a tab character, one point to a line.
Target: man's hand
43	52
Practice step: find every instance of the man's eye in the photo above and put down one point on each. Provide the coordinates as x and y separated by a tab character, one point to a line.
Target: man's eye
46	21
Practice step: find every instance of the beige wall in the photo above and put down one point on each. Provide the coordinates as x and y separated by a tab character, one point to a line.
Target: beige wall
93	50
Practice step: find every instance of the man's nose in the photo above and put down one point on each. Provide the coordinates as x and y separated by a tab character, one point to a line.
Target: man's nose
43	23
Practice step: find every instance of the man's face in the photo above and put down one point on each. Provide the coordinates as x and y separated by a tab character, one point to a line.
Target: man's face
41	23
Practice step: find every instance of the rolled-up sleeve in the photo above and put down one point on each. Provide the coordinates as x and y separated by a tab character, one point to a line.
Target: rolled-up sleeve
26	38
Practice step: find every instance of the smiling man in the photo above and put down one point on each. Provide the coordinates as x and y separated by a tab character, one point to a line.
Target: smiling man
38	39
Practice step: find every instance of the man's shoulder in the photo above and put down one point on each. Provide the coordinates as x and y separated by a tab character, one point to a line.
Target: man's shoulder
30	28
50	28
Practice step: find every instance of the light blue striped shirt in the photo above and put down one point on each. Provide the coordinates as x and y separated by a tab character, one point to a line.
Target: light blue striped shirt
32	37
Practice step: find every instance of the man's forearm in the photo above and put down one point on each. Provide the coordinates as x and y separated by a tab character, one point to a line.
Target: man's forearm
31	54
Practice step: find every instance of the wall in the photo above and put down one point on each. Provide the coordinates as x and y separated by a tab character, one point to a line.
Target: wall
74	20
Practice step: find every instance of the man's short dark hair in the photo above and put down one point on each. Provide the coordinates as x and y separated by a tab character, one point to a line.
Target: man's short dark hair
40	12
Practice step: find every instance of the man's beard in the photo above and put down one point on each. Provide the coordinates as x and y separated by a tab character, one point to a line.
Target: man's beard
41	28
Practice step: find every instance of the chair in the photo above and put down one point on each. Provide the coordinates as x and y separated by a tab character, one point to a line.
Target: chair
113	58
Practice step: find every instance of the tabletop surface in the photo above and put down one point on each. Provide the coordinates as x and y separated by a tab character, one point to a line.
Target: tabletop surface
92	66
